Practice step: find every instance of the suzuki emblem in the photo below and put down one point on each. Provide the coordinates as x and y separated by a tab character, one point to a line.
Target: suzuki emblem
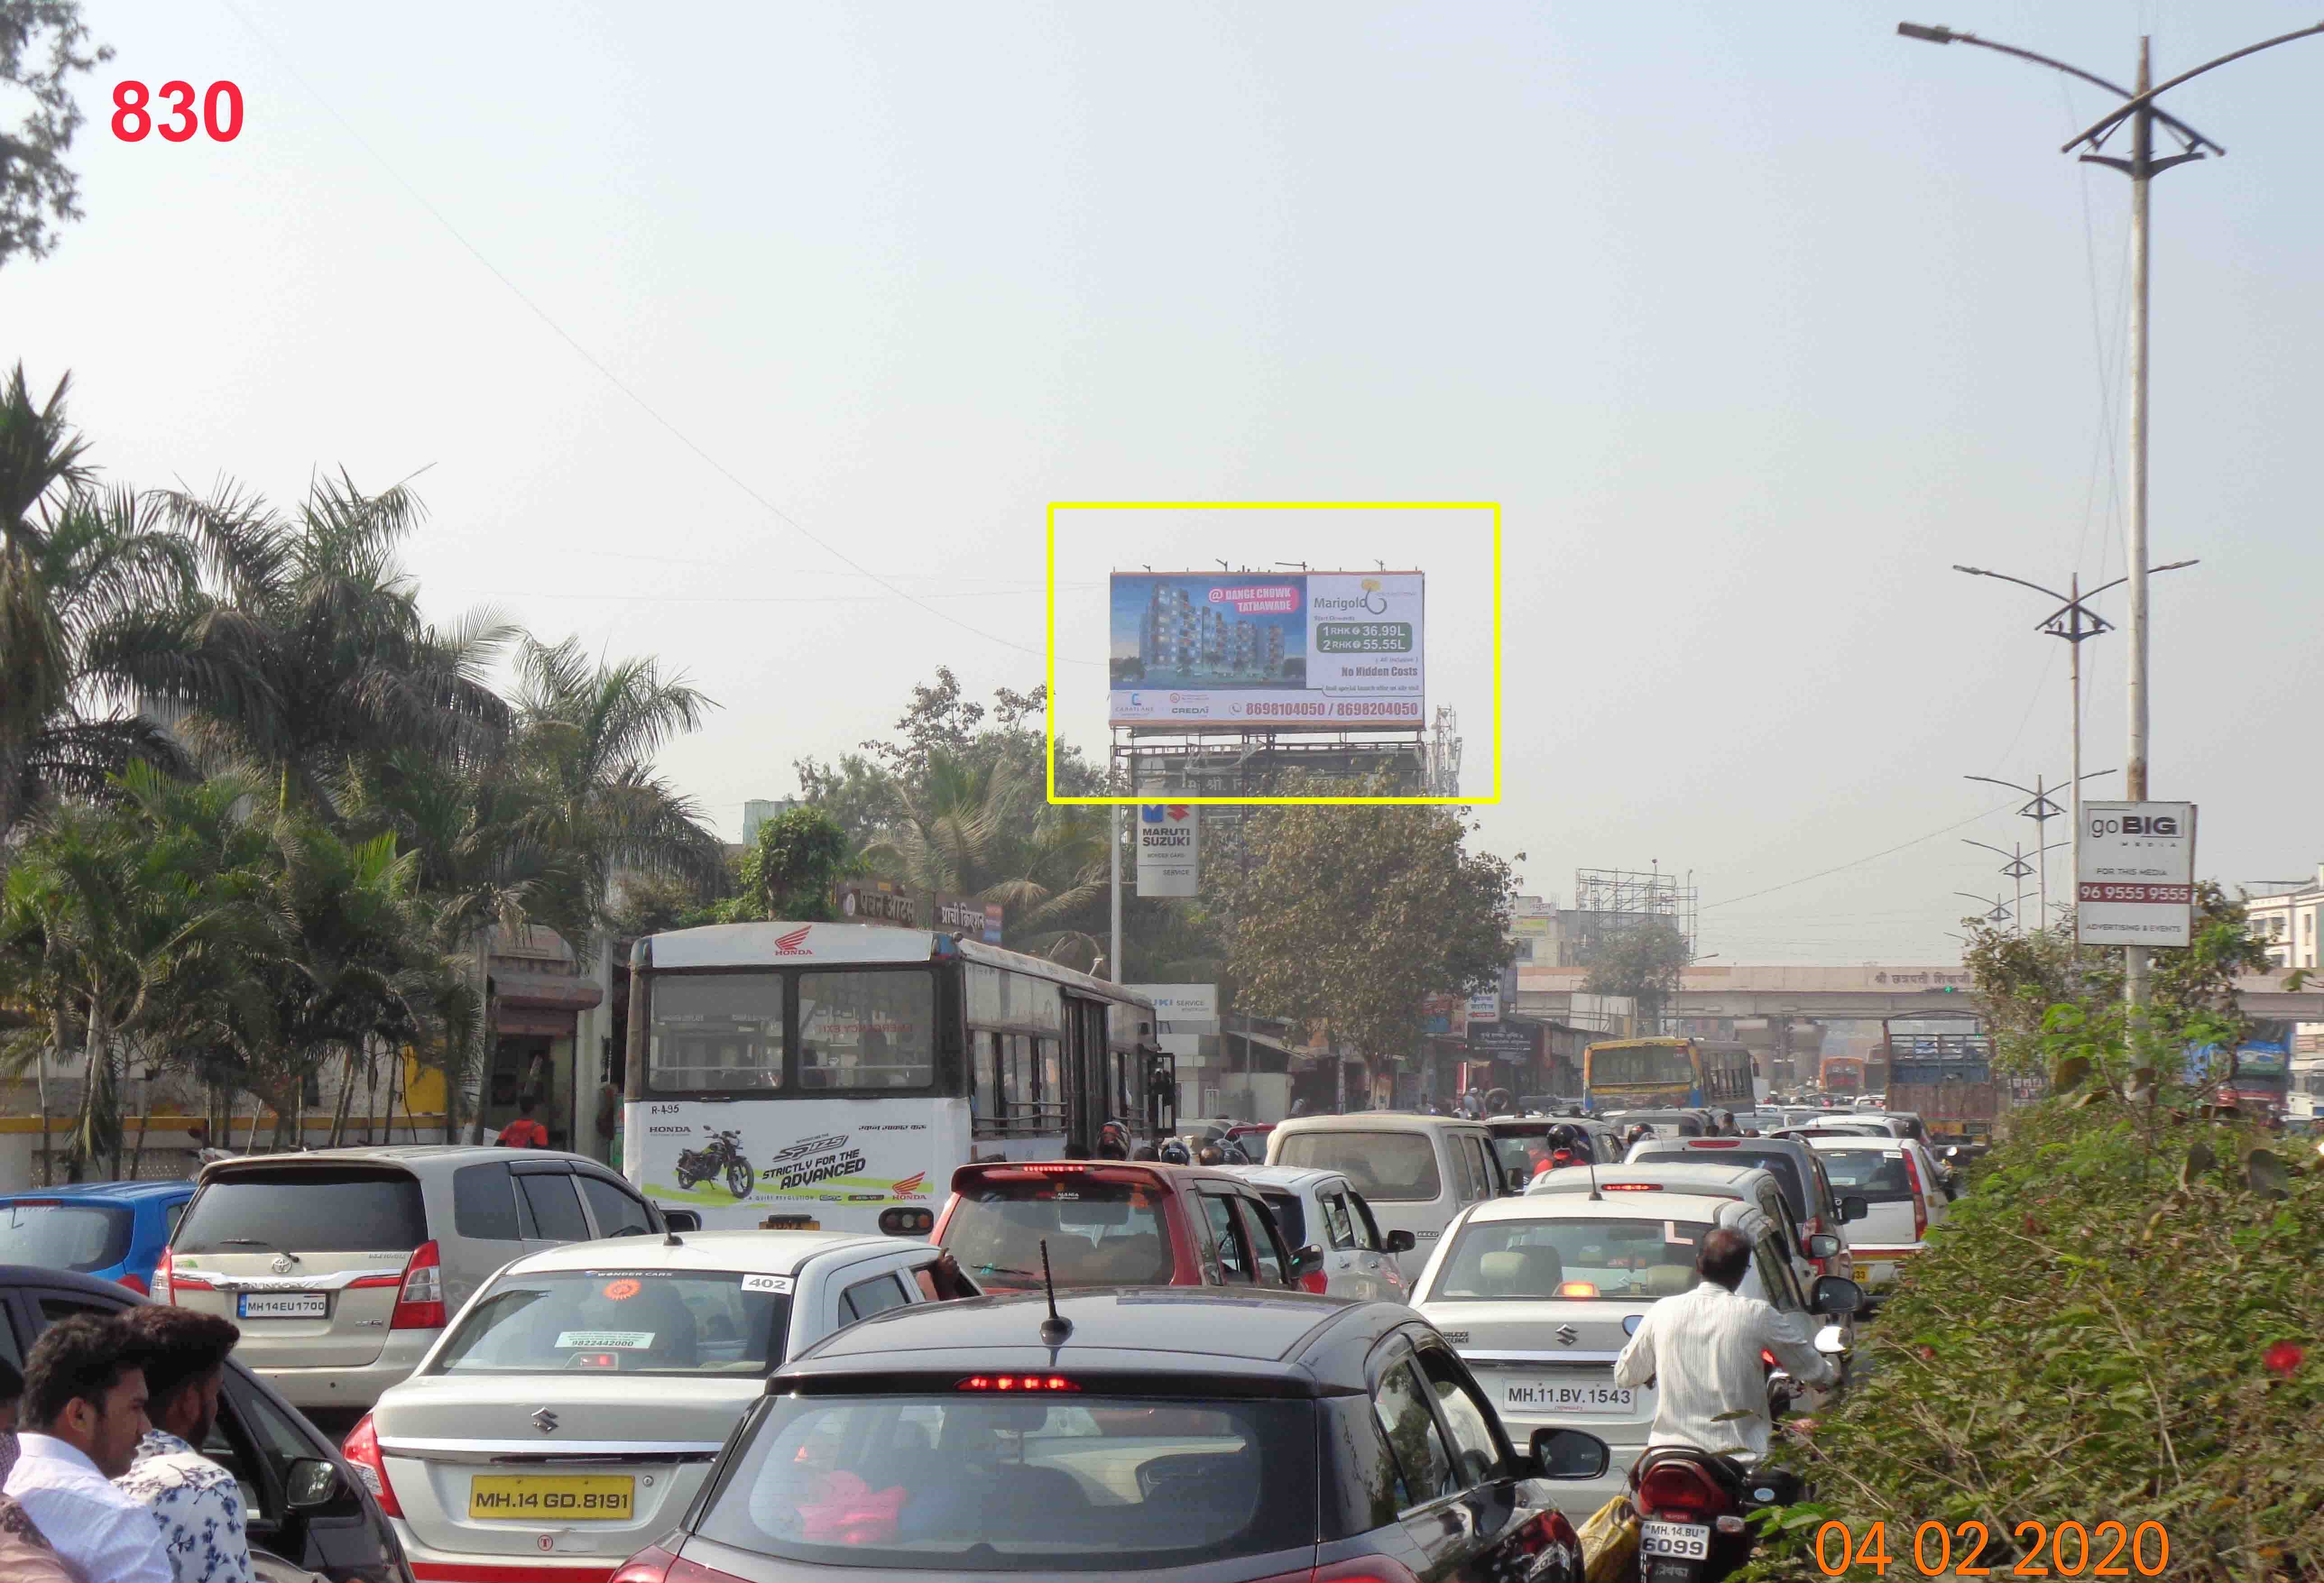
1567	1335
545	1421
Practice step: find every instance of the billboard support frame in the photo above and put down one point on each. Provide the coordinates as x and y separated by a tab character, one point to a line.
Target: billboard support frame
1418	732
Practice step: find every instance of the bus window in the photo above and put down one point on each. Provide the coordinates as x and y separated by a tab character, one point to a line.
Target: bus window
1053	1081
1019	1110
992	1100
716	1032
868	1030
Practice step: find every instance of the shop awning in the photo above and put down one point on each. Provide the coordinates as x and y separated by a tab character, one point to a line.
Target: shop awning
546	991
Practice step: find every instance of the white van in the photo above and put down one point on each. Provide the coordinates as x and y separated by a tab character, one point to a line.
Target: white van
1416	1172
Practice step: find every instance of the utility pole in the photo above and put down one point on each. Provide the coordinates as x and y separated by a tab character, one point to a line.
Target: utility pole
2141	166
1113	962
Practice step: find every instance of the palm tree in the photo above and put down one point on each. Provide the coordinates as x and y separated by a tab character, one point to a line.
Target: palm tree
75	564
305	652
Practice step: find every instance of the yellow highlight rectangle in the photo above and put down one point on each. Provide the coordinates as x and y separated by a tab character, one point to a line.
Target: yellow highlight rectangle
1133	800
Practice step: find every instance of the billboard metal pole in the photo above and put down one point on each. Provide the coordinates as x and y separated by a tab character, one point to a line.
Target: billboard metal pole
1113	962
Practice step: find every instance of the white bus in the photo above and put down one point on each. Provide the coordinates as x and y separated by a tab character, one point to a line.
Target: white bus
824	1072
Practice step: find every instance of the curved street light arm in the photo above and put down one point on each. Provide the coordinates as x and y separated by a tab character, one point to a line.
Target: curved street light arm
1990	847
2187	134
2135	102
2012	784
2022	582
2118	581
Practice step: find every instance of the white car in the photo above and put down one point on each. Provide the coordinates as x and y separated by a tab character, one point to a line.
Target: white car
571	1411
1323	1208
1540	1294
1898	1182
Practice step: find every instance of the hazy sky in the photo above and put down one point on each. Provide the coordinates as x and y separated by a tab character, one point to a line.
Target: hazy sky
1754	319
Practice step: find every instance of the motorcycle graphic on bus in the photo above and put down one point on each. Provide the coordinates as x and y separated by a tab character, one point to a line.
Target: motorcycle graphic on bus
721	1156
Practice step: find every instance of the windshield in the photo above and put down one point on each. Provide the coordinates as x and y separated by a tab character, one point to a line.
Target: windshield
974	1483
1663	1065
1570	1259
1386	1167
1875	1176
1100	1233
63	1236
308	1210
622	1322
867	1030
1777	1164
720	1031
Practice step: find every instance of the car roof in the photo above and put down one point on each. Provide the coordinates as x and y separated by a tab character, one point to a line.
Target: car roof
1712	1181
1159	1170
1697	1111
1262	1342
1619	1205
764	1253
1298	1178
417	1156
1707	1148
1834	1140
119	1193
1370	1121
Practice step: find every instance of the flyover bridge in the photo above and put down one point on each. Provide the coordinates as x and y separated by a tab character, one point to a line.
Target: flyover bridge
1872	991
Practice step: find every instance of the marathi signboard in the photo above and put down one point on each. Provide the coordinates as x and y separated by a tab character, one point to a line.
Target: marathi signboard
1444	1017
2136	883
883	901
1485	1005
1322	649
1168	850
1520	1042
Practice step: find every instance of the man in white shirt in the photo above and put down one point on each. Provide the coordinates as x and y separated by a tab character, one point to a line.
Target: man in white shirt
1701	1351
83	1414
194	1501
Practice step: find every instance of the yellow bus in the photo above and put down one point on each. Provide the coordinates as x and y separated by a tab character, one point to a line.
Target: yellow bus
1664	1074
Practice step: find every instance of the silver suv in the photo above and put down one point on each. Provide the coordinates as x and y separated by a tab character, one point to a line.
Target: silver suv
342	1266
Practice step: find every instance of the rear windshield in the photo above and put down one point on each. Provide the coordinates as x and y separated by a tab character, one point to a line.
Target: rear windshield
997	1484
1876	1175
1781	1166
1290	1217
63	1236
1570	1260
1386	1167
1100	1233
622	1322
336	1208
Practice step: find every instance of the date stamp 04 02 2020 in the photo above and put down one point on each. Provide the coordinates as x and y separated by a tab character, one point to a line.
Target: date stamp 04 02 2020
134	121
2100	1551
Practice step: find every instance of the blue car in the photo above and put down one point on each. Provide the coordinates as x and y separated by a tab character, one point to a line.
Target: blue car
113	1231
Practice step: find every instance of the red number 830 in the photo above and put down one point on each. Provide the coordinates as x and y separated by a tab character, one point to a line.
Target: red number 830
221	115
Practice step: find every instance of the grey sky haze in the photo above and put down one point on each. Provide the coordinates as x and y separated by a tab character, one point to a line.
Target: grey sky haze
1754	321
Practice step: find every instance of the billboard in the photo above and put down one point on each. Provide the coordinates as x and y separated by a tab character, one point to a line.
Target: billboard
1168	850
1322	649
2136	886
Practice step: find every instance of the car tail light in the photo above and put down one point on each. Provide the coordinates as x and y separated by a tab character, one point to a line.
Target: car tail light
1714	1143
420	1304
1317	1282
1016	1382
657	1564
135	1283
1577	1289
1920	1199
1680	1491
361	1449
169	1280
1633	1187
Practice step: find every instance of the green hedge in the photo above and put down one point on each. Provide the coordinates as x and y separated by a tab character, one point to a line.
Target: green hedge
2119	1323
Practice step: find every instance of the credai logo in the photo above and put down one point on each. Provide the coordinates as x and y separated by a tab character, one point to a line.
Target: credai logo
2134	824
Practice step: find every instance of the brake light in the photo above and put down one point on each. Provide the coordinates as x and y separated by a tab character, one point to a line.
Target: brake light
1016	1382
1920	1199
361	1449
135	1283
1577	1289
169	1280
1632	1187
1051	1168
1714	1143
420	1306
1768	1359
656	1565
1680	1491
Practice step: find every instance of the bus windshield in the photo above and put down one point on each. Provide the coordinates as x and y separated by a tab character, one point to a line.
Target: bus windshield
863	1029
1663	1065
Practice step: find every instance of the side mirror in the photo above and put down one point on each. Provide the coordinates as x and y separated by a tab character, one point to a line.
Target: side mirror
1836	1294
682	1220
1570	1453
1821	1244
1400	1242
1307	1261
1953	1151
310	1484
907	1221
1854	1207
1516	1177
1831	1340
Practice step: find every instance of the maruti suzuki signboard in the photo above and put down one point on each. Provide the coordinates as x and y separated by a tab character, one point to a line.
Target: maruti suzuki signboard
2136	883
1320	650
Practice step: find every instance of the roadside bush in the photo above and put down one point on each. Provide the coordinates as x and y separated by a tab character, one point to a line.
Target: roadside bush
2117	1325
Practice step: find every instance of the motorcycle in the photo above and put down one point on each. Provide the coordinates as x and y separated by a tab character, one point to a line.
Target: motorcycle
1695	1507
722	1155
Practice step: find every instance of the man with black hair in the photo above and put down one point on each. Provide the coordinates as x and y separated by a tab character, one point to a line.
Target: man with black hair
83	1413
1704	1344
194	1501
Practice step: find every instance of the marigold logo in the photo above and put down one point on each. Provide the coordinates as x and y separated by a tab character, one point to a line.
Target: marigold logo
915	1186
793	943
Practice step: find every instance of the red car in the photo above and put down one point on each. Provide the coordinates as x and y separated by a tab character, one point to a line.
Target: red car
1116	1223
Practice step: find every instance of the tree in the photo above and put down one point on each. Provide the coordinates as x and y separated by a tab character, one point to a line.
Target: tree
791	869
43	43
1641	959
1354	915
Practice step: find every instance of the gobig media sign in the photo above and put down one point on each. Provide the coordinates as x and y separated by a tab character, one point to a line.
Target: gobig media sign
1319	649
2136	879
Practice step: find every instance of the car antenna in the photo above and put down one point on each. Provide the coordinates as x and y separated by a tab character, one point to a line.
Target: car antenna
1596	1197
1057	1328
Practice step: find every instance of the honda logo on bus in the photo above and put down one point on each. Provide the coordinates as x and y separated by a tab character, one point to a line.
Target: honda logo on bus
793	943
